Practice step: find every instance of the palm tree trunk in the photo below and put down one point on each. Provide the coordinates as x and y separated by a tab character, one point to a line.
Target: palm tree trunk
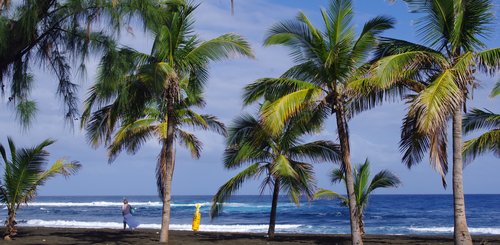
10	227
168	164
346	161
361	223
274	207
461	231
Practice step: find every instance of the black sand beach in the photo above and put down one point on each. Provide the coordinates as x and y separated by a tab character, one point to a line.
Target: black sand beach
42	235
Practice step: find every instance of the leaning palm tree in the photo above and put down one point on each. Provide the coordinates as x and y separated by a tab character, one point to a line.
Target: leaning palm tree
149	95
24	173
327	61
281	159
482	119
54	33
442	75
383	179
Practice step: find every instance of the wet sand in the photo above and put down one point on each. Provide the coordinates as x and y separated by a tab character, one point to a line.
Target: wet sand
42	235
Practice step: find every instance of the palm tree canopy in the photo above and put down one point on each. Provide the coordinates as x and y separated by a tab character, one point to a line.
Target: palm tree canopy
129	83
30	29
362	186
327	60
436	77
25	171
284	157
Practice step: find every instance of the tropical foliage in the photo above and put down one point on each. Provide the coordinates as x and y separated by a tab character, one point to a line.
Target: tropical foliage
488	141
282	160
362	186
442	75
327	60
141	96
23	173
53	34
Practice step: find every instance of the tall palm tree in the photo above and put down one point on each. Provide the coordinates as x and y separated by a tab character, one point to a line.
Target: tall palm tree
383	179
149	95
24	173
327	61
282	159
442	74
53	34
482	119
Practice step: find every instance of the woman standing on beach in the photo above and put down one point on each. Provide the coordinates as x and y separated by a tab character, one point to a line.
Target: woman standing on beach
127	216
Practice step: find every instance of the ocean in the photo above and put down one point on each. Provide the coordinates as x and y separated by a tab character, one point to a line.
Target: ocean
386	214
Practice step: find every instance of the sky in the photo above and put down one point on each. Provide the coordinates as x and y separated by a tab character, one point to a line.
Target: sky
374	134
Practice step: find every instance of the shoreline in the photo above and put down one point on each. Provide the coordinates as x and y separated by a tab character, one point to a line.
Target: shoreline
46	235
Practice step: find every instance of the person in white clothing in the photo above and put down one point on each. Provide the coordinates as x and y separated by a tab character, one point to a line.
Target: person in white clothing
128	219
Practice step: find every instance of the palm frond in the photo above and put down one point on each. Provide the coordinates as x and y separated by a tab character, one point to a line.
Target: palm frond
383	179
479	119
277	112
190	141
231	186
489	141
368	38
271	89
496	90
489	60
318	151
436	102
222	47
328	194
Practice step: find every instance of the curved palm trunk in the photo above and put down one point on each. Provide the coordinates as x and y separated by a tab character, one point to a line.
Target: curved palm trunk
361	223
461	231
346	161
10	226
274	207
167	168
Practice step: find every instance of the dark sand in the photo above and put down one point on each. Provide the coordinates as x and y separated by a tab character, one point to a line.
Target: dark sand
41	235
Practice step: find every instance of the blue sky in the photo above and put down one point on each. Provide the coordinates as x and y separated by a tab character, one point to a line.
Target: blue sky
374	134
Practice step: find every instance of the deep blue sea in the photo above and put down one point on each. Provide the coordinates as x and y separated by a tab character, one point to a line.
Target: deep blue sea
386	214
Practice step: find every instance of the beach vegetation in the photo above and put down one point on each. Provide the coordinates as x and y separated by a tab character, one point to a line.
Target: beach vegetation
439	76
24	173
59	36
138	96
283	160
363	188
327	60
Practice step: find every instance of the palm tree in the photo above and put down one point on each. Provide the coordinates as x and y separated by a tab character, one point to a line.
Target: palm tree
280	158
482	119
442	75
327	61
383	179
149	95
52	34
24	173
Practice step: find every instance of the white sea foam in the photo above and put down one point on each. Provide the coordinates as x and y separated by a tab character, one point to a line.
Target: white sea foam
117	225
479	230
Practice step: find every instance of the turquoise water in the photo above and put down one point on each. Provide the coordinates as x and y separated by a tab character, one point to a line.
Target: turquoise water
386	214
